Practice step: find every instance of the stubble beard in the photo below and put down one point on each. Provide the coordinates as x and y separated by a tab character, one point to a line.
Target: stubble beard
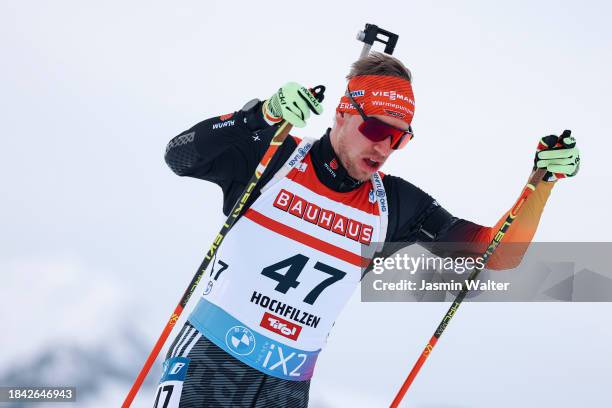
350	166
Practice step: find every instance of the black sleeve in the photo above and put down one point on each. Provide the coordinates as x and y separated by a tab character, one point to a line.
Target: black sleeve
408	208
197	151
225	150
415	217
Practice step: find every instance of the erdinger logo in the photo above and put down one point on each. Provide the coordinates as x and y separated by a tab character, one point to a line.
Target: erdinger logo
324	218
280	326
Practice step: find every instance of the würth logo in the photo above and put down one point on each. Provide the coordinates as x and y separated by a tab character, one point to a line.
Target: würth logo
223	124
325	219
280	326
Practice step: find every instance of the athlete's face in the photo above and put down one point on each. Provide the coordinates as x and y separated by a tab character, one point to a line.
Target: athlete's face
360	156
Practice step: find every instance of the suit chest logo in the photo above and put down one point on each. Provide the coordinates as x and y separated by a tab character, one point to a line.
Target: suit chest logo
323	218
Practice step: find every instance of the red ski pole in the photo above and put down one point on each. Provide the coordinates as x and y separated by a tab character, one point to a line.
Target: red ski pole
277	140
533	182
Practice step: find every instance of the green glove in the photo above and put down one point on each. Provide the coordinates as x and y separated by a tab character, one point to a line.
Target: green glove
559	155
293	103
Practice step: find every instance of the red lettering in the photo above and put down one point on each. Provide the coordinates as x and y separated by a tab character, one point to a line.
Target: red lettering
312	213
280	326
283	200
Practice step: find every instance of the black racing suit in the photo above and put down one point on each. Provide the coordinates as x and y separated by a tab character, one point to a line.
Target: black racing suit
226	150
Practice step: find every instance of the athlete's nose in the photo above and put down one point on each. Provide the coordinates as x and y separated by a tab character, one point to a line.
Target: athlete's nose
383	147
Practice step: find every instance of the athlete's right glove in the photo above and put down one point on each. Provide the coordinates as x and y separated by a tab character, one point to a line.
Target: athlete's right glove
293	103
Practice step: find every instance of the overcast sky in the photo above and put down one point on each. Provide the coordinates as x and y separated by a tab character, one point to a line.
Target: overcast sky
91	92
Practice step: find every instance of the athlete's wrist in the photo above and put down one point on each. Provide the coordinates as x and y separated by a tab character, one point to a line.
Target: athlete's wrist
253	115
268	115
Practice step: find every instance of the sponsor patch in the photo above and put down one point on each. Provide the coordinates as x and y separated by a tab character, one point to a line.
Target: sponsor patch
175	369
223	124
326	219
240	340
280	326
395	114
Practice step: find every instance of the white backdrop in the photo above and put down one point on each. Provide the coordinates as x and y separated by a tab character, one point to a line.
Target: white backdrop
97	234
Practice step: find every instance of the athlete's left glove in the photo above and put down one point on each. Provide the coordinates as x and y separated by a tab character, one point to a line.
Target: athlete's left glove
559	155
293	103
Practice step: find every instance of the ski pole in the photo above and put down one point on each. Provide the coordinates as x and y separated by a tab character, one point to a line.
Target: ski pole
532	183
277	140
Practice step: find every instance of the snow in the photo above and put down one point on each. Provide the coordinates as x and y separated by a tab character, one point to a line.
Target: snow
79	330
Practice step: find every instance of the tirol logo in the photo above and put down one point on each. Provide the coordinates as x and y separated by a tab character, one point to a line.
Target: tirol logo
280	326
355	94
240	340
325	218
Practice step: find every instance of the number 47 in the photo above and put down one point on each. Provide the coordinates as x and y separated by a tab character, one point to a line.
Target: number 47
296	265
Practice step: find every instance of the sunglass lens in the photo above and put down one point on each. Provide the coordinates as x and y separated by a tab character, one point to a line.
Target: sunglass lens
376	130
404	139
